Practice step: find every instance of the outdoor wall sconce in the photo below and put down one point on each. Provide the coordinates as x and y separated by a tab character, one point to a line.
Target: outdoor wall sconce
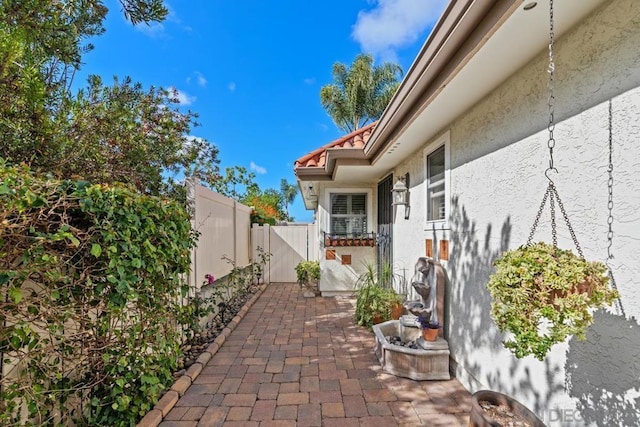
400	193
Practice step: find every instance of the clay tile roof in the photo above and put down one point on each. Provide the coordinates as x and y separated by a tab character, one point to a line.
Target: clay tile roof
356	139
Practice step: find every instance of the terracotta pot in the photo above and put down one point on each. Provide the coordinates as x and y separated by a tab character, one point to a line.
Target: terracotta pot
430	334
377	318
480	418
397	310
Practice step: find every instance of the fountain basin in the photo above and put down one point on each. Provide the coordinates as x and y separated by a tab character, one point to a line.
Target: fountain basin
430	362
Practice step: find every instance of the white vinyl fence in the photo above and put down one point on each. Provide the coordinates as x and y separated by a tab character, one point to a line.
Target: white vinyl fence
225	231
224	227
288	245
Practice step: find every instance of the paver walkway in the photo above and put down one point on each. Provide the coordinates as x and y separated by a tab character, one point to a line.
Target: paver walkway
302	361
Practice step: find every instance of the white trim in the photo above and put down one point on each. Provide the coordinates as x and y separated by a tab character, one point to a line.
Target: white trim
351	190
445	140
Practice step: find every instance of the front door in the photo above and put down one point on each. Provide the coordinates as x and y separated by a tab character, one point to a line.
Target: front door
385	222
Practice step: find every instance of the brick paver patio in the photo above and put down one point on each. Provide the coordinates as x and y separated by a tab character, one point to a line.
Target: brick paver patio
295	361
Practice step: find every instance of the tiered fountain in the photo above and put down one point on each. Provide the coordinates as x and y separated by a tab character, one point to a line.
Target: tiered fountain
400	346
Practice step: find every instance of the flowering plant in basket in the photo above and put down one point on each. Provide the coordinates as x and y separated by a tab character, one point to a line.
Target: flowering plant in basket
542	294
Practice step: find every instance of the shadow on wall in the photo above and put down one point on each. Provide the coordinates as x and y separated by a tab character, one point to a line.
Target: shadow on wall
603	372
470	264
469	268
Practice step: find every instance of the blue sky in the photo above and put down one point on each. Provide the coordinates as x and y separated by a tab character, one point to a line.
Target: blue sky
253	69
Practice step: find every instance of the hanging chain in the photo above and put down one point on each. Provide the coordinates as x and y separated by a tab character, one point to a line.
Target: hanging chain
566	220
551	86
612	279
535	222
554	234
610	186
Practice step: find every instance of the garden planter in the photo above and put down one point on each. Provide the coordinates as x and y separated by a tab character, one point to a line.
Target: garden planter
377	318
430	334
481	417
397	310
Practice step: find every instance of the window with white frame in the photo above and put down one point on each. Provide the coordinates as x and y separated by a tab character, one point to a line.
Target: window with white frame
436	184
348	213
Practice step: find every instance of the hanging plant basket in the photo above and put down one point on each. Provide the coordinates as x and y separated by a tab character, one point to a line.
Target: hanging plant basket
543	294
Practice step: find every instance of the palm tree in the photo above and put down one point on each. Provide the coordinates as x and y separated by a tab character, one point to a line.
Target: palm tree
360	93
288	193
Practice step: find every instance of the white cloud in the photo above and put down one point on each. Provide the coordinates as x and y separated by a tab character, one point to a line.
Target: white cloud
200	79
182	97
394	24
152	29
323	127
257	169
231	86
309	80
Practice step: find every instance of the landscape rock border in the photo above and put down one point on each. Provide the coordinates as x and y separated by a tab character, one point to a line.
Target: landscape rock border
154	417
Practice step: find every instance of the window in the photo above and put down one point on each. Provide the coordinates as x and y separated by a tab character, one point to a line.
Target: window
348	213
437	183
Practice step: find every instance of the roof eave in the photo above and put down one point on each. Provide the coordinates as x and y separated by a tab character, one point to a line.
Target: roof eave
455	38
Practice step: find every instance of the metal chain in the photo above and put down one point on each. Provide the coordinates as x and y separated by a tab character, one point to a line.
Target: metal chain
554	233
610	186
535	222
551	86
552	193
566	220
612	279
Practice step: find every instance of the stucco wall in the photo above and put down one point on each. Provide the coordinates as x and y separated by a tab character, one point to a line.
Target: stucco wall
498	156
335	277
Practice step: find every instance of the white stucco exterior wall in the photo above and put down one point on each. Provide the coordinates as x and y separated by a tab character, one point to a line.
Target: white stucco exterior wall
498	154
335	277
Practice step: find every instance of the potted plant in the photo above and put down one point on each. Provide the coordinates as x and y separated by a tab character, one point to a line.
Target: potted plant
376	296
490	408
430	328
542	294
308	274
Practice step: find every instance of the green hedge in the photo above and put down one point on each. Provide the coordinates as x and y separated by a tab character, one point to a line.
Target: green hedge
91	278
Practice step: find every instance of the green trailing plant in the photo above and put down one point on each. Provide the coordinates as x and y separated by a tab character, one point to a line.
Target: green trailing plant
91	278
543	294
308	274
260	264
376	295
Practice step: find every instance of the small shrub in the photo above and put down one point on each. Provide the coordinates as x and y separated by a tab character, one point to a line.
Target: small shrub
308	273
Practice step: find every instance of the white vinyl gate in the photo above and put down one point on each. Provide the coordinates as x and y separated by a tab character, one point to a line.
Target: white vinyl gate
288	245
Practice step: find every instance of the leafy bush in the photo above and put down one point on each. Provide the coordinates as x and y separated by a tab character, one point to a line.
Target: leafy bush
376	296
542	294
91	278
308	273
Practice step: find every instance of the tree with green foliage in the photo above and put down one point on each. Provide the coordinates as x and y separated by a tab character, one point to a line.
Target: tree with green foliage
267	205
288	193
118	133
360	93
234	181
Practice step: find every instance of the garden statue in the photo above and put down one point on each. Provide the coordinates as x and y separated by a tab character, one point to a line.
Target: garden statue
428	281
